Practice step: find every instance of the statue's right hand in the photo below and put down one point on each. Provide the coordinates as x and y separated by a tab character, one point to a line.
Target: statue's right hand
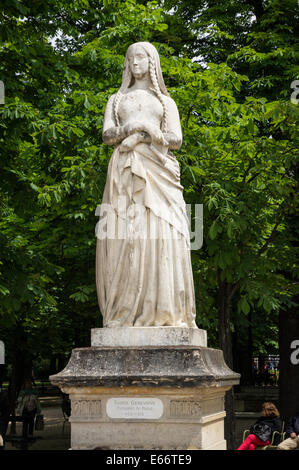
129	143
156	134
133	127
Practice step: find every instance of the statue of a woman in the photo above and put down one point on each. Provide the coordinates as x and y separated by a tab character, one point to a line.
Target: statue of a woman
144	280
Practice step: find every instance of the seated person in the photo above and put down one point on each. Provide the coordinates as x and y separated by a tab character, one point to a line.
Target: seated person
261	432
292	431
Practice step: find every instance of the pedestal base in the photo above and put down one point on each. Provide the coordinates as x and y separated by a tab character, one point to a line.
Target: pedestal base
148	336
191	419
147	397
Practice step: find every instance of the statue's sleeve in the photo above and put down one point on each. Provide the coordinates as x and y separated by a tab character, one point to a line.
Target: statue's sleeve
108	115
174	131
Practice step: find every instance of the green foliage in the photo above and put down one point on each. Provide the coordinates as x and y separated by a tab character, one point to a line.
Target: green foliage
243	164
237	159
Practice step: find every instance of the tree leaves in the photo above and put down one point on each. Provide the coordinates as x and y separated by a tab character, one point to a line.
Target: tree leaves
237	158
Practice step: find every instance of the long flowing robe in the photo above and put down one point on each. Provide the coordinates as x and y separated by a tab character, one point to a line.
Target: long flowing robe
144	273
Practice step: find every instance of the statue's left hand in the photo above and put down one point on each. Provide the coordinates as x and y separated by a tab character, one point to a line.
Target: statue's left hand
129	143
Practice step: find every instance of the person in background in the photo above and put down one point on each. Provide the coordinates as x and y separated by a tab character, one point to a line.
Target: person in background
266	376
28	406
261	432
66	405
292	431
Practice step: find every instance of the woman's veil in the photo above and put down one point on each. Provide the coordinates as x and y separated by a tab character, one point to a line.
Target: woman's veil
127	78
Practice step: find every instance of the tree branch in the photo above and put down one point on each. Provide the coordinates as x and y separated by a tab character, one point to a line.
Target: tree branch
234	290
270	238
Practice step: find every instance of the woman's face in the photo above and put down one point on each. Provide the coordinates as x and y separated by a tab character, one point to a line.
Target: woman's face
139	62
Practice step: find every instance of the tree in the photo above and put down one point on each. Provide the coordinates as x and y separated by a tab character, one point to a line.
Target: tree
258	40
53	166
36	76
237	158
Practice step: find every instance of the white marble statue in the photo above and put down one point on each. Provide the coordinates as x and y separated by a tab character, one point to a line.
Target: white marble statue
144	280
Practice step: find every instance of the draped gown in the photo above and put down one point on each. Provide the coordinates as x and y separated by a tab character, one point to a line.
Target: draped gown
144	273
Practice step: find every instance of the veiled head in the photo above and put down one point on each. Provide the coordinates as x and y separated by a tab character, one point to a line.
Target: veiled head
148	62
153	58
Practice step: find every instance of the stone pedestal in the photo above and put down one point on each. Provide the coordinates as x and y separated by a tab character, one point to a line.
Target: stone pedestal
147	388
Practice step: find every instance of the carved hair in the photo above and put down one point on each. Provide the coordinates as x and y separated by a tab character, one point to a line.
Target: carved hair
156	77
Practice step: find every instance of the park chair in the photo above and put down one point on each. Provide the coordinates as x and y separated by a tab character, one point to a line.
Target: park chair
277	437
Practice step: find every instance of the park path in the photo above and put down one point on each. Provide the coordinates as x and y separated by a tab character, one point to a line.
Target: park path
55	436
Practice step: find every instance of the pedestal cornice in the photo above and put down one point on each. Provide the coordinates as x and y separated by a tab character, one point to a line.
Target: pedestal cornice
173	366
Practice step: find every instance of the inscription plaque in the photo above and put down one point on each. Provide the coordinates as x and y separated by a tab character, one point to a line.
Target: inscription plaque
134	408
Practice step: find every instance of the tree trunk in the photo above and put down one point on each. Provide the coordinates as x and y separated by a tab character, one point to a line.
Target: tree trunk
21	370
243	357
289	361
261	360
52	367
2	374
225	342
258	8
